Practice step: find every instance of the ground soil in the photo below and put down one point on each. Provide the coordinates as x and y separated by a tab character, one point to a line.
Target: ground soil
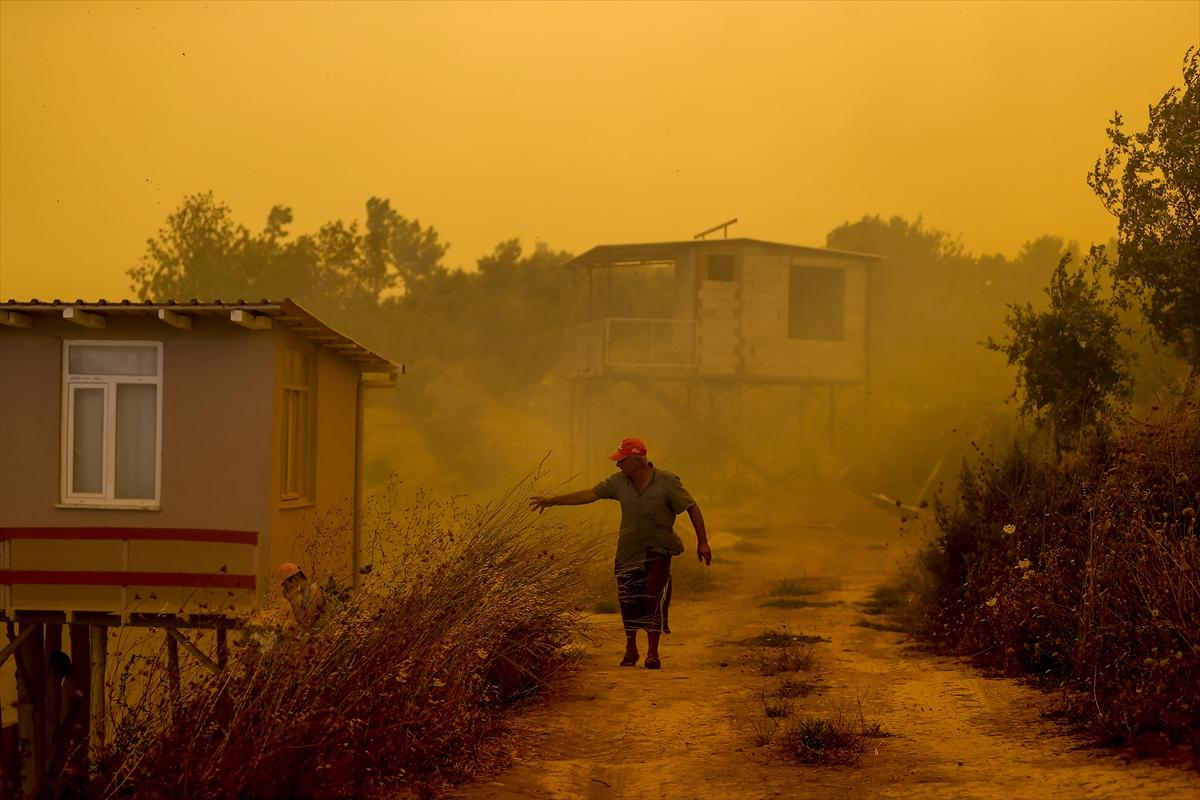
688	731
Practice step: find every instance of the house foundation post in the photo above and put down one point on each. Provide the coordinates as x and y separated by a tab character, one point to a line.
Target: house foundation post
81	665
31	708
98	670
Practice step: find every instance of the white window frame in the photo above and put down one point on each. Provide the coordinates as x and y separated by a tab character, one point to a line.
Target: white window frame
307	432
72	383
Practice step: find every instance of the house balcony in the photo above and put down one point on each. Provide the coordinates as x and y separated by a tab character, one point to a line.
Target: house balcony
631	345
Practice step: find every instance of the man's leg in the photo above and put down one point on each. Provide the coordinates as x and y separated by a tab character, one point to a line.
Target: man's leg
629	597
657	596
652	645
631	650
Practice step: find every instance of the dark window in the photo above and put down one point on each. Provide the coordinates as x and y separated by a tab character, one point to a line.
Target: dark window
816	303
720	268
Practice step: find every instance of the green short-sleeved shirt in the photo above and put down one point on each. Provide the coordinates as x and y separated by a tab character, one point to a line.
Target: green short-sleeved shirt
648	518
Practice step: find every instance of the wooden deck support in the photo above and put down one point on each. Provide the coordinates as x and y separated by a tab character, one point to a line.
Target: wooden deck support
31	707
97	672
62	719
54	687
81	726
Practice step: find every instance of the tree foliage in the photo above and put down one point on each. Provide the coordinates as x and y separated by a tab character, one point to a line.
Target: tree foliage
341	270
1150	181
1071	367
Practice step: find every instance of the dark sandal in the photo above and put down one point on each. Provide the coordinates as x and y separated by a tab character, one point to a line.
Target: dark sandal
630	660
653	663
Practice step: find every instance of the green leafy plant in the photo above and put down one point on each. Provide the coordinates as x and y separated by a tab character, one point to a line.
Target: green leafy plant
1071	367
1150	181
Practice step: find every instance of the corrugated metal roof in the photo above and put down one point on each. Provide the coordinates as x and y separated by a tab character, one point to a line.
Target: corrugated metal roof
616	255
286	311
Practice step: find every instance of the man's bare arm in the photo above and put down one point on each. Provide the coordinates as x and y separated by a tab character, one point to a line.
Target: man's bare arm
703	551
543	501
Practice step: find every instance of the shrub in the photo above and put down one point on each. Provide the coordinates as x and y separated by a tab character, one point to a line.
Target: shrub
1084	572
463	610
1071	368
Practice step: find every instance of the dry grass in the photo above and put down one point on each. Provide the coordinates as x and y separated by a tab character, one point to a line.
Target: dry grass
775	652
800	587
793	687
463	610
838	737
887	627
780	639
775	660
797	602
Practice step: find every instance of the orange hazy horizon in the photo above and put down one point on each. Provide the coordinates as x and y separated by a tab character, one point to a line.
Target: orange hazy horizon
571	124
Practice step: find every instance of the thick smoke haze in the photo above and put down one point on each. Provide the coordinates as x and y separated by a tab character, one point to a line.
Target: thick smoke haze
572	124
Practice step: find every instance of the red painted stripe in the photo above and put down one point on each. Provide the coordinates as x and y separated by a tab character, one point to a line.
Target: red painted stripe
134	534
45	577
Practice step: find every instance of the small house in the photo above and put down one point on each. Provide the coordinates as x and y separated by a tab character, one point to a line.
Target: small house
741	309
157	462
171	450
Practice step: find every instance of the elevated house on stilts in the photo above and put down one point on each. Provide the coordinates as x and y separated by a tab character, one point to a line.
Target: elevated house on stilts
157	461
698	328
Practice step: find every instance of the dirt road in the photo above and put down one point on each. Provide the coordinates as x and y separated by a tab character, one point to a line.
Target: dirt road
688	731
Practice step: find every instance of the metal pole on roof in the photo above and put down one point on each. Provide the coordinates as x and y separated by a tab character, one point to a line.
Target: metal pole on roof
724	226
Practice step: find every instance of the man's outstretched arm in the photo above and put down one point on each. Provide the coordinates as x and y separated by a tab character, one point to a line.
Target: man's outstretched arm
703	551
543	501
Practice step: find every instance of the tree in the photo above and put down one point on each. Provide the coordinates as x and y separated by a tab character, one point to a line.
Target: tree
1150	181
397	252
1071	368
193	255
341	271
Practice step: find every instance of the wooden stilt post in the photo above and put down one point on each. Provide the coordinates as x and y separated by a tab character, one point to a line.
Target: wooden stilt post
222	648
54	686
81	663
833	398
98	635
31	708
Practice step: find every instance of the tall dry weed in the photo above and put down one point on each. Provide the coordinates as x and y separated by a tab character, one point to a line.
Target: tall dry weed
463	608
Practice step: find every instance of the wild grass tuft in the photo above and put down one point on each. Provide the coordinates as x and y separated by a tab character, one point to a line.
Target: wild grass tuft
796	602
780	639
799	587
775	660
837	738
792	688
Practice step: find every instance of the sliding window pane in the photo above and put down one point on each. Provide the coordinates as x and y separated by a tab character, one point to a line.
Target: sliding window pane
137	433
87	441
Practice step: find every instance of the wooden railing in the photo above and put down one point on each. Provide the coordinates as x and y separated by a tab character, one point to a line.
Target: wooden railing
630	343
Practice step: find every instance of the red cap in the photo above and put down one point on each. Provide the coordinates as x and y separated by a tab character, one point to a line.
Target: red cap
629	447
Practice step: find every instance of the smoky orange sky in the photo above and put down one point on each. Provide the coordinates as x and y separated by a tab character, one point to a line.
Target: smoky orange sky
573	124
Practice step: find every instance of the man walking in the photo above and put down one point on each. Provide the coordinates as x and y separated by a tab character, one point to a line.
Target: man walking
650	500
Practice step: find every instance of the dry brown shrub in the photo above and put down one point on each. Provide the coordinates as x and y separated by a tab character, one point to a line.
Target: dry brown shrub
1086	572
464	608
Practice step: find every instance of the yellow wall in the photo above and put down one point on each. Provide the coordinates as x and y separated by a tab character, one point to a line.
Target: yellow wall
316	534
